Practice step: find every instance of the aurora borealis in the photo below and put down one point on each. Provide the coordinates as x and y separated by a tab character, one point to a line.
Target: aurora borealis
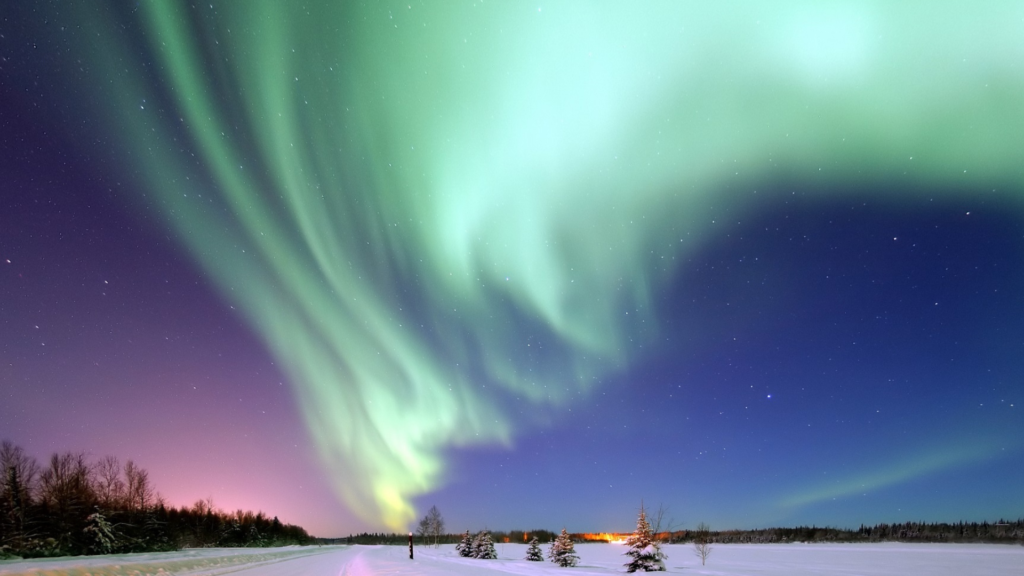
465	230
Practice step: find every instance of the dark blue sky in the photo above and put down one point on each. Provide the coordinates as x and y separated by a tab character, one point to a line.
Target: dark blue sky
813	347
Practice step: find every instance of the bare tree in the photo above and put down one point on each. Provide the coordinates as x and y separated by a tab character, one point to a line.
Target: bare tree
204	530
110	489
661	528
702	542
138	492
436	524
203	506
431	526
65	489
423	530
65	480
27	468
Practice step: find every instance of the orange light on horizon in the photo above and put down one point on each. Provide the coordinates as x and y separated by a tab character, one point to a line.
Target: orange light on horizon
611	537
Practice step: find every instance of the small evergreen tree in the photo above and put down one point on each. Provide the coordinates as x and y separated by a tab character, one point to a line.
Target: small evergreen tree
562	551
100	534
465	546
254	537
645	553
483	546
533	553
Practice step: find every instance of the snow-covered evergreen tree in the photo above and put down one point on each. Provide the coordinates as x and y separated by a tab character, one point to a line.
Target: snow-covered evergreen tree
254	538
534	553
465	546
562	551
101	535
483	546
645	553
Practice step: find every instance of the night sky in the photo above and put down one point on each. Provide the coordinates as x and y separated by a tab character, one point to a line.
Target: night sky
530	262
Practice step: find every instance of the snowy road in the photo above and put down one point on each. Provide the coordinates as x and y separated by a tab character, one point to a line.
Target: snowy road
194	562
889	559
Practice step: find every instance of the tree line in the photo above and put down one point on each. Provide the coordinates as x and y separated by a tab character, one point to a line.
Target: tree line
999	532
70	506
393	538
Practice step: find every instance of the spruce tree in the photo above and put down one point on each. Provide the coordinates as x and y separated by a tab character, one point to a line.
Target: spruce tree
562	551
483	546
533	553
645	553
254	538
100	534
465	546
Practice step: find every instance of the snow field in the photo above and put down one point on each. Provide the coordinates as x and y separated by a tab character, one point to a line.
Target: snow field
887	559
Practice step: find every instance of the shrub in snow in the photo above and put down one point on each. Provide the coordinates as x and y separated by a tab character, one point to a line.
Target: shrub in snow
533	553
702	542
645	554
562	551
465	546
483	546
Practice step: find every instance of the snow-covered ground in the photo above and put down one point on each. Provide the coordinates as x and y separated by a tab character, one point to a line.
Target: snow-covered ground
725	560
196	561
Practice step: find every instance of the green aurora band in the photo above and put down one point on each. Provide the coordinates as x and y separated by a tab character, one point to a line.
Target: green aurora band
945	456
401	197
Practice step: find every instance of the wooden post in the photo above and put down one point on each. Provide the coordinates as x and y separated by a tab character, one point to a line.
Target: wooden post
410	545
